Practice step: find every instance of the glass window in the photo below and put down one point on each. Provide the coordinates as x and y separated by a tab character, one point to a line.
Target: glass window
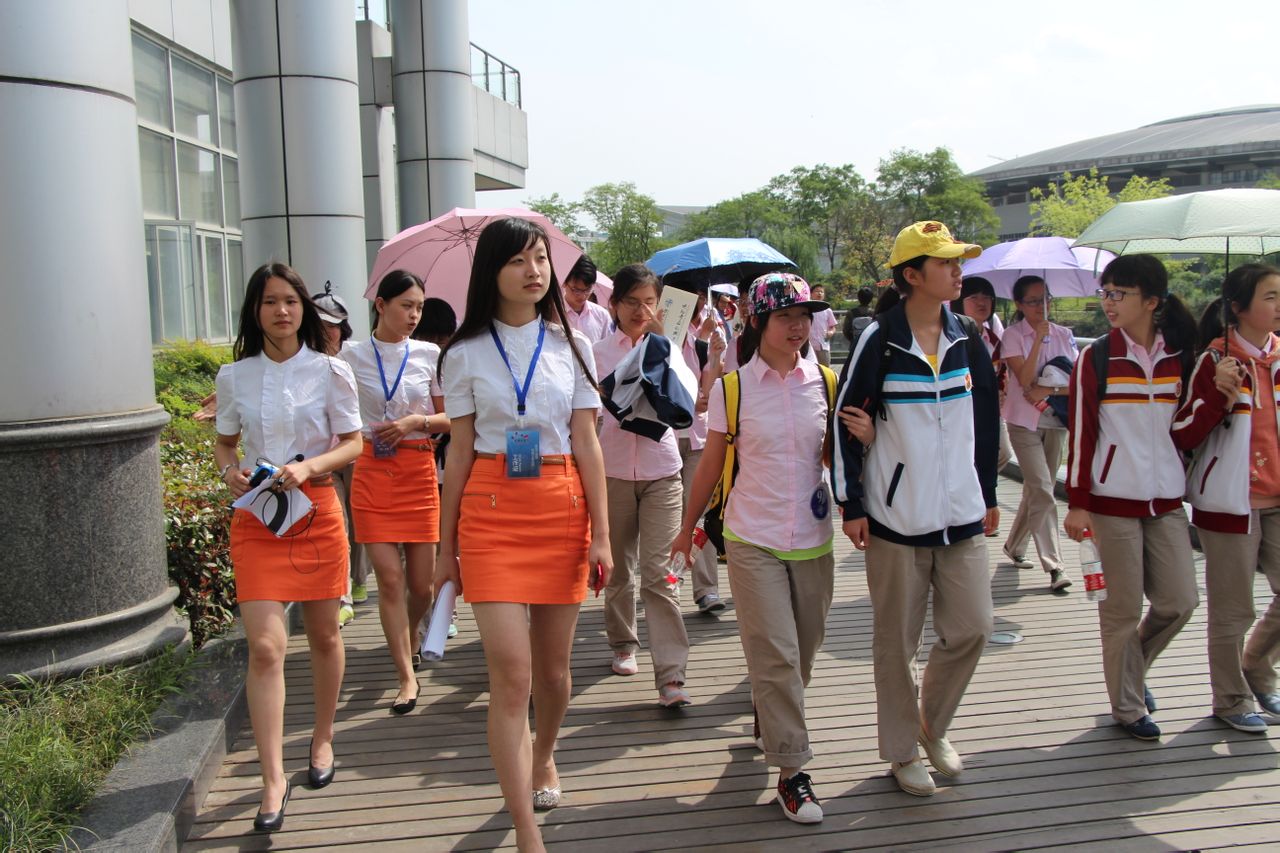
151	82
159	177
171	282
235	281
215	285
199	186
194	104
227	114
231	190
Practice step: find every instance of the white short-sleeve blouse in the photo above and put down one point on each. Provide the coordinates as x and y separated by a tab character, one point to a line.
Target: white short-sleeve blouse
282	409
417	386
477	382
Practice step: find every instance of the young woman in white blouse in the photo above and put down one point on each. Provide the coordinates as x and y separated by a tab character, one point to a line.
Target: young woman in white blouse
287	402
394	502
524	512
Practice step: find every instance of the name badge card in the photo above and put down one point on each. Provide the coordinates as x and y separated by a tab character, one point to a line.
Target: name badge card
524	453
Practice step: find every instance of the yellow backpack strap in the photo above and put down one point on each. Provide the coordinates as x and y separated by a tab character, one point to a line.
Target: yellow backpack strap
829	380
732	408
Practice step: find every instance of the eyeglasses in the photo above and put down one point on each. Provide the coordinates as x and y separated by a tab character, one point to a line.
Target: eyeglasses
1036	303
581	291
635	304
1114	295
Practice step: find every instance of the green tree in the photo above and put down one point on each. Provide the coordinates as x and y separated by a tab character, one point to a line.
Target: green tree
1269	181
870	223
630	219
818	199
1065	208
799	245
562	213
748	215
931	185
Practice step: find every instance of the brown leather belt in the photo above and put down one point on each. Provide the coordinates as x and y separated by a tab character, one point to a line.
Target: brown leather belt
321	480
424	445
557	459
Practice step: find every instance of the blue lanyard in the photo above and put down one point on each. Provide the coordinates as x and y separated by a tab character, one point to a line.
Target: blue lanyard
382	374
521	393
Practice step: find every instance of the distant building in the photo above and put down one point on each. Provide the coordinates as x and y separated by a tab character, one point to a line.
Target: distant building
1227	148
674	217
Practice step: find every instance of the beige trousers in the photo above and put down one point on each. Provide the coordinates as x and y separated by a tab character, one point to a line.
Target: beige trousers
782	617
644	518
706	570
1039	453
899	578
358	559
1238	670
1006	449
1150	556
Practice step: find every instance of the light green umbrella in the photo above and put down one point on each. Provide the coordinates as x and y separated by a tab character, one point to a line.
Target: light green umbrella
1218	222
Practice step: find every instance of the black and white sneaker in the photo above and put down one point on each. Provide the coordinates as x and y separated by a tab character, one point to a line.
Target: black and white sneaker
710	604
798	801
1058	580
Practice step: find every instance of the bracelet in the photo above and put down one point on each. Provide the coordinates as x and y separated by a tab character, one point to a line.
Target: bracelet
225	469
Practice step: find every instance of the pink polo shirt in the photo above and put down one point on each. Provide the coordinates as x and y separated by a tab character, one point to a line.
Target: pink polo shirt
628	456
594	321
1016	342
697	432
781	425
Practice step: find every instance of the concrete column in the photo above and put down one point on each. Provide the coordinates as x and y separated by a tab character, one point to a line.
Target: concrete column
435	121
377	137
82	524
298	128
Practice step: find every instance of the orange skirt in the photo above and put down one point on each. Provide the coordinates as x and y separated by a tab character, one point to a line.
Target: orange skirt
524	540
394	499
308	563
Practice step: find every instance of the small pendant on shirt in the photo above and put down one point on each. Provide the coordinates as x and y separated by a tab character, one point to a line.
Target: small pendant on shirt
820	504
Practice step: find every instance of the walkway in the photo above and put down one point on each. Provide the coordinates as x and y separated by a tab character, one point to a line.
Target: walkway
1045	767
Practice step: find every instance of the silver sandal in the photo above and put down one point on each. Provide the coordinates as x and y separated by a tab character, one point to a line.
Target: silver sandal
546	799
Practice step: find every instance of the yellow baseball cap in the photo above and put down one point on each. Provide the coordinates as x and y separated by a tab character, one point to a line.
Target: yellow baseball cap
929	238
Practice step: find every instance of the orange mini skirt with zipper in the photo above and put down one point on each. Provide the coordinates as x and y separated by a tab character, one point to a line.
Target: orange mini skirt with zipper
524	540
394	498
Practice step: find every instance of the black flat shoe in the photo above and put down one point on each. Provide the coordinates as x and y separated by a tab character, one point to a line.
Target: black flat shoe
275	820
405	707
318	777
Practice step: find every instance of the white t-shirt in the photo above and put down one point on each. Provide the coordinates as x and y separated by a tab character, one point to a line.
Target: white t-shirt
823	322
476	381
281	409
417	386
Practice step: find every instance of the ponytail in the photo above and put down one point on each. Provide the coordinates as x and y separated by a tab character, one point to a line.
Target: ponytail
1179	329
1211	325
889	298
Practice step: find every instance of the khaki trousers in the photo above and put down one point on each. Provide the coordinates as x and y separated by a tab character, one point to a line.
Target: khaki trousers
1039	453
782	610
706	571
358	559
1236	670
644	518
1006	449
1150	556
899	578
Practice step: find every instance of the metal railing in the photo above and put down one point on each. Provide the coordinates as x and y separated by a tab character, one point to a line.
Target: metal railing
495	76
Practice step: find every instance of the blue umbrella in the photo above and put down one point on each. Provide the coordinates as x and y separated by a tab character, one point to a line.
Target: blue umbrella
716	260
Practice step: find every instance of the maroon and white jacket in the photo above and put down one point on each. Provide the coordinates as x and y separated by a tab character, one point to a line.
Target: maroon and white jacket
1122	460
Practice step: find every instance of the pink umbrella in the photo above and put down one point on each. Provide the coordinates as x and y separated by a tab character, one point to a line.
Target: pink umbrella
604	288
440	251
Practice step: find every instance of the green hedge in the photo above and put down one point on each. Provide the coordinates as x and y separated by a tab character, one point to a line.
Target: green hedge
196	504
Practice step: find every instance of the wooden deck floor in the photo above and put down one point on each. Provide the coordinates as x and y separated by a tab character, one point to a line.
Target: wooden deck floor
1045	768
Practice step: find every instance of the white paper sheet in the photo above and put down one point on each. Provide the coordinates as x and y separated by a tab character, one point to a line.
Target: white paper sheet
677	307
438	629
279	511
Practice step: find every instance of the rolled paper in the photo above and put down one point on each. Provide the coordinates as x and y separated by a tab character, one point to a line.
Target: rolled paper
438	627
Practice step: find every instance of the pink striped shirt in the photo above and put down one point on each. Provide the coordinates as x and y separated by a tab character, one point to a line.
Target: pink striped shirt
628	456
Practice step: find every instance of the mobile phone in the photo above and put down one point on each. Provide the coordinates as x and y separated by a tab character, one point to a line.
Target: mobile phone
597	578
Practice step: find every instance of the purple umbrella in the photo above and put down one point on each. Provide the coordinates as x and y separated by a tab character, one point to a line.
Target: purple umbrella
1068	272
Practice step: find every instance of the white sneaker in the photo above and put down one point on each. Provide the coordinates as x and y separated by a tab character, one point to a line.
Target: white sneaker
1019	561
913	777
624	663
942	756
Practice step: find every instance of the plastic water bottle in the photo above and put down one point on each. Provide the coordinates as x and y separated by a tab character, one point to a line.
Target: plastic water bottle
678	564
1095	583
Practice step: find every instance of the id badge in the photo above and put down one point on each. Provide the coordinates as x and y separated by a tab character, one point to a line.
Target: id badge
381	449
820	504
524	453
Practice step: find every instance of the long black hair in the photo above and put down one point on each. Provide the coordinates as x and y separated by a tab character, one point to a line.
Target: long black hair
392	285
1237	291
438	322
1148	274
499	242
250	339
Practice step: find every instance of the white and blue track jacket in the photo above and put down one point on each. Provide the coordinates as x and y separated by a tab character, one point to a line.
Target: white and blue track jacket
929	476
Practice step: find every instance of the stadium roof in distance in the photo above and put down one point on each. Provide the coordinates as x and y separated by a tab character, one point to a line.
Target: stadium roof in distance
1235	131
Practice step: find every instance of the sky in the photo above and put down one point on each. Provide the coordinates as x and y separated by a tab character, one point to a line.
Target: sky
702	100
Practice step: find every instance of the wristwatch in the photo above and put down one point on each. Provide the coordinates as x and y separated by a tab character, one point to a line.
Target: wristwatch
225	469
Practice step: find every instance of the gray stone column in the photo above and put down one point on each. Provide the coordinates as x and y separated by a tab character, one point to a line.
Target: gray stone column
435	115
298	127
377	137
82	521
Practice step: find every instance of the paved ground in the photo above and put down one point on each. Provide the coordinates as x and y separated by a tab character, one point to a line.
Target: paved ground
1045	766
